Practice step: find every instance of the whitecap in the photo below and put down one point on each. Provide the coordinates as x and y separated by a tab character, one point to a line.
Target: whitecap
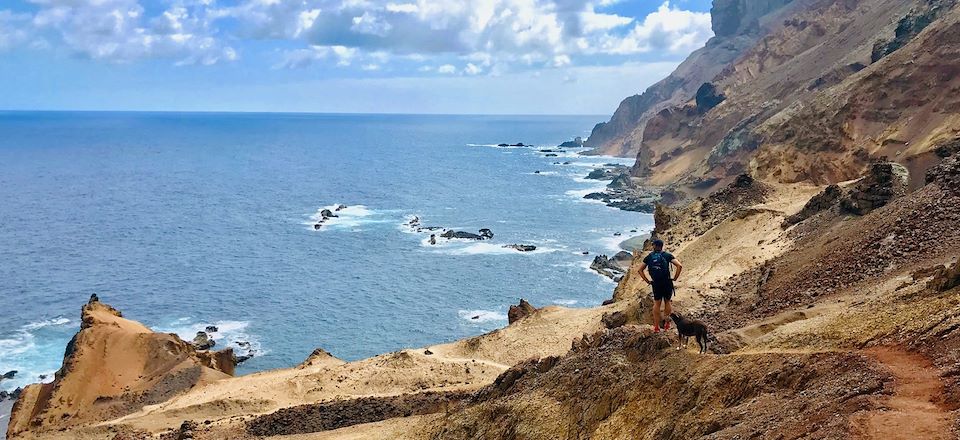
32	350
483	248
565	302
481	315
228	334
46	323
351	217
579	194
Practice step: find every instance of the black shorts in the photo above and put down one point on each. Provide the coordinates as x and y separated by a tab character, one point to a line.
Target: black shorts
662	290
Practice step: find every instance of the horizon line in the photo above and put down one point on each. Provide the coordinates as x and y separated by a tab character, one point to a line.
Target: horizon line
254	112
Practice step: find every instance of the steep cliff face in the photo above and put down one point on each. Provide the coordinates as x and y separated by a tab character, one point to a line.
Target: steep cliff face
737	24
112	367
830	87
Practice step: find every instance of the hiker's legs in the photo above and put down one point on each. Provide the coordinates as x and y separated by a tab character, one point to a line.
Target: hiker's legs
656	313
667	310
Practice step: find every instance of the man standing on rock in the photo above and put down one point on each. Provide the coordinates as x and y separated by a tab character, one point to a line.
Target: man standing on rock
658	263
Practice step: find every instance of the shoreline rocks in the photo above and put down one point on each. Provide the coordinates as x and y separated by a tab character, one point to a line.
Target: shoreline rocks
202	341
612	267
521	247
577	142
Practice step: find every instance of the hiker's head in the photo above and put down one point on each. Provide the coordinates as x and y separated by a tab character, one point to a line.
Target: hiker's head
658	245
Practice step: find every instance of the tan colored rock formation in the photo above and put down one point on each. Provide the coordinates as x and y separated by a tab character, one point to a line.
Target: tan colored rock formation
112	367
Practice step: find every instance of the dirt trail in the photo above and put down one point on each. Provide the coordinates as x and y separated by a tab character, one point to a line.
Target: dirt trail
912	412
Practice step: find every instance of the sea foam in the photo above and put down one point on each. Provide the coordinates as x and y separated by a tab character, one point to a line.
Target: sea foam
482	315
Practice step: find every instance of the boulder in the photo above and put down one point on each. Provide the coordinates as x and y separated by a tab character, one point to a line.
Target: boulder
9	375
341	207
485	233
326	213
503	145
614	320
521	247
212	329
549	155
623	181
202	341
520	311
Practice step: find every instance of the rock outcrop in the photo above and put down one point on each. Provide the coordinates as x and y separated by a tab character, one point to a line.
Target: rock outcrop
614	267
112	367
320	357
520	311
521	247
823	201
884	182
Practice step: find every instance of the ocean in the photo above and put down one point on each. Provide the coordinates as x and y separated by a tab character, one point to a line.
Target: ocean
184	220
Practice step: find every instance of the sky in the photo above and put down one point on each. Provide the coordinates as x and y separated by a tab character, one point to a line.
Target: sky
343	56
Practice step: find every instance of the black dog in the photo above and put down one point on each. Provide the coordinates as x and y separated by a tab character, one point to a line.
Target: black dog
690	327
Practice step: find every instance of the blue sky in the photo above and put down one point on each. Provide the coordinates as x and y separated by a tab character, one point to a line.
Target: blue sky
397	56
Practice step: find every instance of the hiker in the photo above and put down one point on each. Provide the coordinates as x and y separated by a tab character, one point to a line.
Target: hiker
658	263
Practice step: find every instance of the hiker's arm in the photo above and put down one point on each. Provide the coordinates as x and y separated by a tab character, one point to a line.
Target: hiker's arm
676	263
643	272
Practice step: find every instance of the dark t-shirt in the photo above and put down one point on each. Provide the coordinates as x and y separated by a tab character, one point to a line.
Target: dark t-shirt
658	263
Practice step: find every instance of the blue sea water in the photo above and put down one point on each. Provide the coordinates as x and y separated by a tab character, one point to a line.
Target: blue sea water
187	220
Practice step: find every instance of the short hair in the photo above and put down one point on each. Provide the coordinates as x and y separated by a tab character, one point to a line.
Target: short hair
658	244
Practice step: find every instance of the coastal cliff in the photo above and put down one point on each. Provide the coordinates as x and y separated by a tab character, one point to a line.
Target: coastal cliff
736	24
112	367
818	91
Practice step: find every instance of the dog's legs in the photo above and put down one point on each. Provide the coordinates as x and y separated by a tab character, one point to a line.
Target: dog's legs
701	341
679	340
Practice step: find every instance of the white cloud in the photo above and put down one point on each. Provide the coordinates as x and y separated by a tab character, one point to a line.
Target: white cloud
446	69
494	36
408	8
593	21
668	28
299	58
370	24
122	31
472	69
